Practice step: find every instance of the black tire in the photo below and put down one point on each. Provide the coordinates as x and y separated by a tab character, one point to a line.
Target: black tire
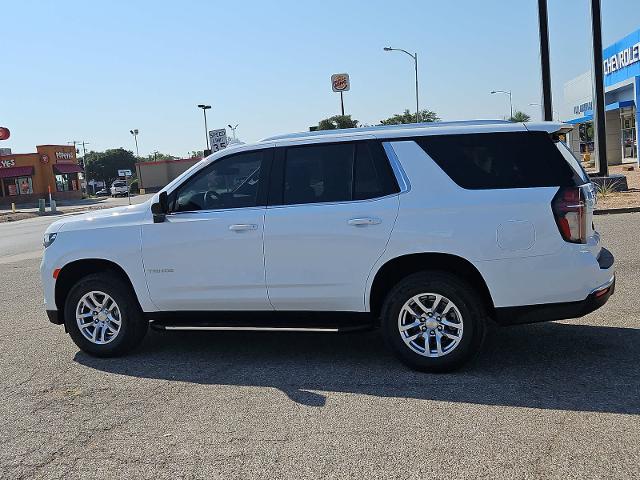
133	327
466	299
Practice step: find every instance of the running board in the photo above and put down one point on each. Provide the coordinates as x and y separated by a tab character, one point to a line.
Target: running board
245	329
320	322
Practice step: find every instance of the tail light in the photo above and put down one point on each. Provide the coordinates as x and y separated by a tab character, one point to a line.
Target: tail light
570	211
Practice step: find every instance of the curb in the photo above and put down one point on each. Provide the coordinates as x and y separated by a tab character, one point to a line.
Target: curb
609	211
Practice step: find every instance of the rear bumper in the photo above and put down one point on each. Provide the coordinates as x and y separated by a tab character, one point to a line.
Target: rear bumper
556	311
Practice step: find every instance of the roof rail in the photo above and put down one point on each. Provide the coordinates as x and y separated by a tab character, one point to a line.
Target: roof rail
376	128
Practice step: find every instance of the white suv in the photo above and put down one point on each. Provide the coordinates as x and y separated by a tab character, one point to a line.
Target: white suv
426	231
119	187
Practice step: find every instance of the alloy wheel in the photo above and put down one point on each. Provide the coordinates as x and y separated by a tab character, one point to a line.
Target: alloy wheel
430	324
98	317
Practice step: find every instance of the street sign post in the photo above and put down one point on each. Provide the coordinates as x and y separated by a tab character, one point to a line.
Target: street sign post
340	83
126	174
218	139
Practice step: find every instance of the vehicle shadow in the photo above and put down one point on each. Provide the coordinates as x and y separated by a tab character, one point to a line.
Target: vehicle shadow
549	366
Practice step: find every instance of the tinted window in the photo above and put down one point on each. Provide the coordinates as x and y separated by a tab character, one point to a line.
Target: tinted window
228	183
500	160
368	181
336	173
318	173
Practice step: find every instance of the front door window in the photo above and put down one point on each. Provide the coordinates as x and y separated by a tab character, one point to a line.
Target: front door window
228	183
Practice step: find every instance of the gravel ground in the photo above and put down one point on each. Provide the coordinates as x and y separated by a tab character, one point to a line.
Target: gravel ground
555	400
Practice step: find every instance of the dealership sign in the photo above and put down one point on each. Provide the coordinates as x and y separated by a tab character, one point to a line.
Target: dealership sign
622	59
4	133
8	163
583	108
340	82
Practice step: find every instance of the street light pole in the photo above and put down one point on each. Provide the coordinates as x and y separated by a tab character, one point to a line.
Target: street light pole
206	130
233	130
414	56
135	132
510	99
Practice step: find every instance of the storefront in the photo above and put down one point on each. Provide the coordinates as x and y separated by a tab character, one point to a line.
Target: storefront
26	177
622	95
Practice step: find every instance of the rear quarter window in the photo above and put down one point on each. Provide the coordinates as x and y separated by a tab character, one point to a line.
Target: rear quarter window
500	160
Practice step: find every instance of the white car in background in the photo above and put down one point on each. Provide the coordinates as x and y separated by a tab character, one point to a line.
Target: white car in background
119	187
425	231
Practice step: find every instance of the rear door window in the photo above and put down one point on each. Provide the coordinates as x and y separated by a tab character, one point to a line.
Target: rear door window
336	172
500	160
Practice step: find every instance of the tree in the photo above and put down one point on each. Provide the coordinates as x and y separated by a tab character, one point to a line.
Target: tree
156	157
337	121
519	116
196	154
408	117
105	165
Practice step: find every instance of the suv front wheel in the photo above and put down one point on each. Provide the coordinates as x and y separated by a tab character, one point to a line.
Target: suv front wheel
103	317
433	321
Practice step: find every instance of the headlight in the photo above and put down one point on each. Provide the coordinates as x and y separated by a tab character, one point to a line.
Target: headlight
48	239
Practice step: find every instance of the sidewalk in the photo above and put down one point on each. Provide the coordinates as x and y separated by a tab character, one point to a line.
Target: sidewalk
70	206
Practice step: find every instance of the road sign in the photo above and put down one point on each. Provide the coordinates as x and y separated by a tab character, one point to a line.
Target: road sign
218	139
340	82
124	173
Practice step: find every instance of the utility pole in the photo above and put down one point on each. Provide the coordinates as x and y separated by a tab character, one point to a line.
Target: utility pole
600	131
545	69
84	164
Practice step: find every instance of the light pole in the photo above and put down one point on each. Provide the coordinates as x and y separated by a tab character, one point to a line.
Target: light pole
510	99
233	131
555	112
415	63
206	130
134	132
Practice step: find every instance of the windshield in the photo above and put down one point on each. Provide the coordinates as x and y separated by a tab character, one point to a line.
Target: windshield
572	161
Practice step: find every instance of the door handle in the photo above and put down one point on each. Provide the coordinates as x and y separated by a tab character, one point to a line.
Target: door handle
241	227
364	221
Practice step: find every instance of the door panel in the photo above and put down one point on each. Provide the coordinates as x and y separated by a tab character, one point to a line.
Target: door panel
208	254
318	256
207	260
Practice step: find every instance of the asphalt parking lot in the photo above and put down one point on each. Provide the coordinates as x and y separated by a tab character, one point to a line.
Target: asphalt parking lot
554	400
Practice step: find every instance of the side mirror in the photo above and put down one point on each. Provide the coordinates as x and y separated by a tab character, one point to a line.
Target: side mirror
160	208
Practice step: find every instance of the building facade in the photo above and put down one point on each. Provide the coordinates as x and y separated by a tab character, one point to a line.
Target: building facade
621	67
27	177
152	176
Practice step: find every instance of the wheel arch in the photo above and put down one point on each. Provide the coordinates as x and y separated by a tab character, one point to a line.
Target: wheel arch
395	269
77	269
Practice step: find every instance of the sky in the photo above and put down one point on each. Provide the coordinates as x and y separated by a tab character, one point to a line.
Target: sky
92	71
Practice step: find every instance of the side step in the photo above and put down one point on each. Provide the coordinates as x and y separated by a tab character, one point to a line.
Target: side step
320	322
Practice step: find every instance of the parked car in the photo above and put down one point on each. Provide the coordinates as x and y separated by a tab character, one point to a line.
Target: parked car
119	187
427	232
103	193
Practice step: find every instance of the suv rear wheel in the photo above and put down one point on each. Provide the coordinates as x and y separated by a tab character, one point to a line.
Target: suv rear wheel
433	321
103	317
